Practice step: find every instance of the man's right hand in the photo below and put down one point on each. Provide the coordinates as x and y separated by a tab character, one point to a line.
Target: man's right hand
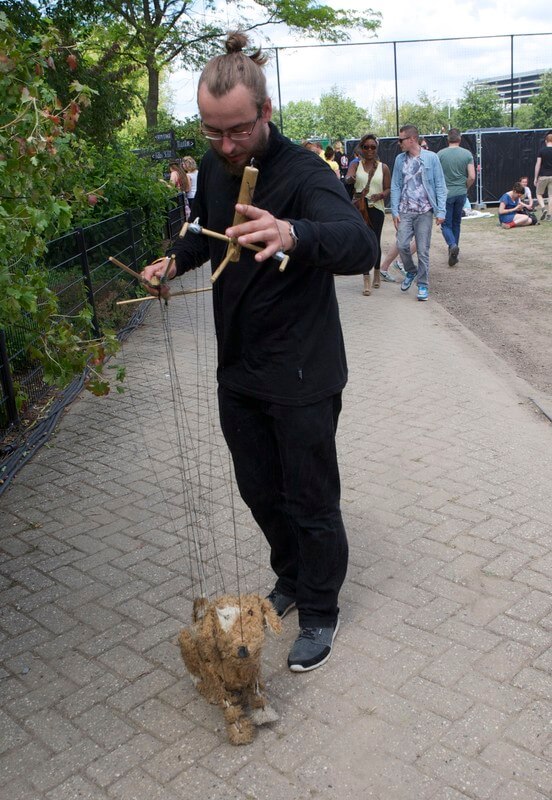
154	272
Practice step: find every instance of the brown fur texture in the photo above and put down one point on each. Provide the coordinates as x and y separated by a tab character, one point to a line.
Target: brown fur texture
222	651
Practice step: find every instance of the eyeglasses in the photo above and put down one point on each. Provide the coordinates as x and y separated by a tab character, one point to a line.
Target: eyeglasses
369	147
404	138
234	135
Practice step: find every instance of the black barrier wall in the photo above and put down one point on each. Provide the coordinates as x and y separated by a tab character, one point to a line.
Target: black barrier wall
505	156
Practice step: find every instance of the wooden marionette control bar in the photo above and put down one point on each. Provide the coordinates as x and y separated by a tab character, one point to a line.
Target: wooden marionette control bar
245	197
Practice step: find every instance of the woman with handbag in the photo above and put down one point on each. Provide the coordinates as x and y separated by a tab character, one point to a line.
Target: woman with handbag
372	182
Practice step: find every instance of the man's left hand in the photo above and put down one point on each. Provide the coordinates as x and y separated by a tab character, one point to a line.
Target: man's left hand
439	220
262	229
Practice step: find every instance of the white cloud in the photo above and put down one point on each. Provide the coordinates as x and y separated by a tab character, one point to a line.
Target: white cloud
441	68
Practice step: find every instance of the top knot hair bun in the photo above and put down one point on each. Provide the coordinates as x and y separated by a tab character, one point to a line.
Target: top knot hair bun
236	42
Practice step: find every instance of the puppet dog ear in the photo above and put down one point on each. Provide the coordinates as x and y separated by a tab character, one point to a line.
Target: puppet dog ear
271	618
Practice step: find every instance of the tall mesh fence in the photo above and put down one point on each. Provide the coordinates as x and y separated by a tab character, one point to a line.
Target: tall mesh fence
396	72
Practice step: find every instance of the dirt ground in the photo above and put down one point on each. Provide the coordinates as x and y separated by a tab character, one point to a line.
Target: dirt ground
501	290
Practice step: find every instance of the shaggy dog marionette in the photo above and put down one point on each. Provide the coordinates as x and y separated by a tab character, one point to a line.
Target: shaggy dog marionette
222	652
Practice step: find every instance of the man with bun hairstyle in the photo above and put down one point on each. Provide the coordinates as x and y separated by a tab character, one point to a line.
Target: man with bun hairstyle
281	357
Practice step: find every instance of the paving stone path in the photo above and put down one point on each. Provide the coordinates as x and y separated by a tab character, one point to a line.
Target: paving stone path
440	686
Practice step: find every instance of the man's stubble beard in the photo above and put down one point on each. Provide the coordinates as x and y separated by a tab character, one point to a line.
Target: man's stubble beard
237	169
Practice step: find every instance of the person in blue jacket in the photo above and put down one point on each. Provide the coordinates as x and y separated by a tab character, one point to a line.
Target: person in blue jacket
418	194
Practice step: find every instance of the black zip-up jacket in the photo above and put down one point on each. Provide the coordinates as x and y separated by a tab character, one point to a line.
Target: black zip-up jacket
279	335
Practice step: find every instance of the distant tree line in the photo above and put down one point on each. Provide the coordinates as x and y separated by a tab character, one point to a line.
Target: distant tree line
337	116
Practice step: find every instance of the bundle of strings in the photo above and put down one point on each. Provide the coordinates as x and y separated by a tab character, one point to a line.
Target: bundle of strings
193	505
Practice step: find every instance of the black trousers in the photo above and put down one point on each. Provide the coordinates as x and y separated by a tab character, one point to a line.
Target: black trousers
286	469
377	218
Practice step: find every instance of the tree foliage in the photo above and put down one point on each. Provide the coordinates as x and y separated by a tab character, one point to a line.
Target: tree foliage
479	107
336	116
301	120
92	55
154	36
429	116
37	148
340	117
541	104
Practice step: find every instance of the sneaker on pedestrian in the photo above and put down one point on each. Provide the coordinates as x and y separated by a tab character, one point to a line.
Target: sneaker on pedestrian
312	648
282	603
407	283
387	276
397	264
543	215
453	255
423	293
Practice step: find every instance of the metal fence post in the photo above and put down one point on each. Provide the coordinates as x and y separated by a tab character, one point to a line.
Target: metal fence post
279	91
83	256
397	123
7	381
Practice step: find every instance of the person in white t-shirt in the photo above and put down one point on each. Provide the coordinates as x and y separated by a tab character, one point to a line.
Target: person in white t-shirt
192	171
527	199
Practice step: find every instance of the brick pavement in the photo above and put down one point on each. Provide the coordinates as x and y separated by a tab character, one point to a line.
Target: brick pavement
440	687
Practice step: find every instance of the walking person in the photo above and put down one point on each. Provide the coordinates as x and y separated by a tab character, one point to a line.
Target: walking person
459	172
190	167
342	159
281	356
418	193
178	177
372	185
329	158
543	176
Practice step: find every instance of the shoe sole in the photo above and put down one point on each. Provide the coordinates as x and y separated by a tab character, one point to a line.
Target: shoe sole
300	668
423	299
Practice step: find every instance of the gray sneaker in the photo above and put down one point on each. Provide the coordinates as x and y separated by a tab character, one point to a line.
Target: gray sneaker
282	603
397	264
312	648
388	277
453	255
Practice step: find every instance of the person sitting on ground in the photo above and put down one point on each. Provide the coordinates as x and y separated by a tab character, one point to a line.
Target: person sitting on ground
510	210
527	199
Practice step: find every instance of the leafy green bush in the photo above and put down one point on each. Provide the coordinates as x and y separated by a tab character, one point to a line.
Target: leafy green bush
37	149
117	180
